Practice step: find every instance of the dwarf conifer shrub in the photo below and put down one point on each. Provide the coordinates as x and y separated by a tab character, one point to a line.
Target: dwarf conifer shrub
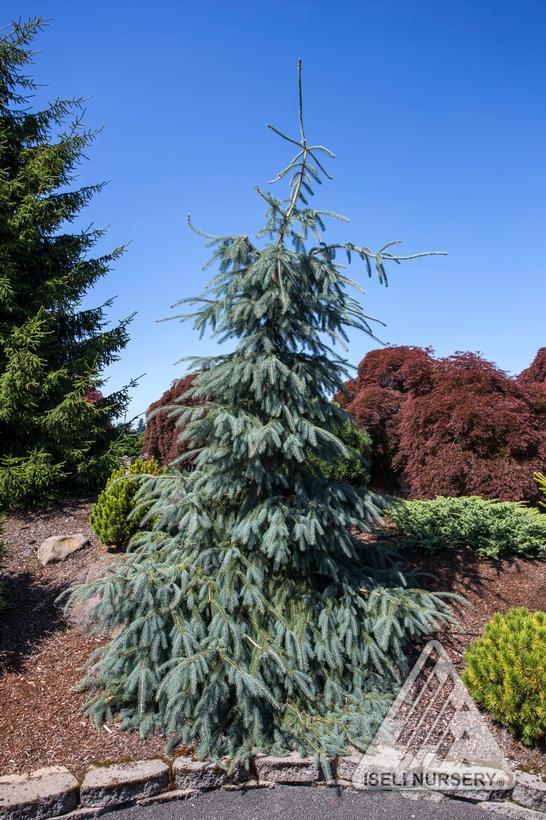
506	672
118	514
540	479
250	617
491	528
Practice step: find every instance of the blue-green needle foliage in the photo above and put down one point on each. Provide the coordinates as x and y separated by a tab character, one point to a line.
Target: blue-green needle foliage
250	617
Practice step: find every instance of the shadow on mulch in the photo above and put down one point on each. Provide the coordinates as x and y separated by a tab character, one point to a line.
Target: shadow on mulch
488	586
504	582
450	569
31	617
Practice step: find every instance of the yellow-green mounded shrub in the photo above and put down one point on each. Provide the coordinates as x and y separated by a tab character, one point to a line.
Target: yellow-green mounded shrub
114	518
540	479
506	672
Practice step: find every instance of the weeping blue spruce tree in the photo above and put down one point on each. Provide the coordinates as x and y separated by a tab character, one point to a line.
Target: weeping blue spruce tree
248	615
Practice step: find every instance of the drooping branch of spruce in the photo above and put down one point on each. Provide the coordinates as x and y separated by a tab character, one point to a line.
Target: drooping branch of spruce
249	616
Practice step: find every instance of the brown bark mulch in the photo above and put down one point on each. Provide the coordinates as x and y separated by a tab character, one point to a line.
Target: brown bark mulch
488	587
42	656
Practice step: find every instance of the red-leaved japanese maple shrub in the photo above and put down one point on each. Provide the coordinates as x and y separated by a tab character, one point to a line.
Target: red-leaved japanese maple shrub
374	399
453	426
536	372
476	432
376	410
400	368
162	435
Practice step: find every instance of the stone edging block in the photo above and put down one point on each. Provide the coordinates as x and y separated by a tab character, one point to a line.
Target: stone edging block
530	791
509	809
123	782
290	770
202	774
54	793
40	794
347	766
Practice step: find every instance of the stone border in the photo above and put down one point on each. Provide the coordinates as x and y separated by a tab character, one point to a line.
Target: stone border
55	792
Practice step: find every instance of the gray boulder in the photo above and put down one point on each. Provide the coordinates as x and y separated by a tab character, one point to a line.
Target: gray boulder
59	547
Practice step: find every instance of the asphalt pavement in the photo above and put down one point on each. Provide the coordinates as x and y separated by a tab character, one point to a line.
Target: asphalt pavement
301	803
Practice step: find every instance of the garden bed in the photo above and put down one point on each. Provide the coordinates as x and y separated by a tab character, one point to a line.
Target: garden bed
489	586
41	655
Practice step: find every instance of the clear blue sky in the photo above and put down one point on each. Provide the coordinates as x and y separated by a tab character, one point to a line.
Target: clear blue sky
436	111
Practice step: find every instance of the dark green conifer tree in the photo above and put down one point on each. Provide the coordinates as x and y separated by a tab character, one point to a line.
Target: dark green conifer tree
56	428
249	616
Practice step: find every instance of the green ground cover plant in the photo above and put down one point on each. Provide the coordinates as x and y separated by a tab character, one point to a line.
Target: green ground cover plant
491	528
506	672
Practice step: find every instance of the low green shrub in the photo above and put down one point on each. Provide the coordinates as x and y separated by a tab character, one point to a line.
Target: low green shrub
540	479
506	672
354	469
491	528
114	518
